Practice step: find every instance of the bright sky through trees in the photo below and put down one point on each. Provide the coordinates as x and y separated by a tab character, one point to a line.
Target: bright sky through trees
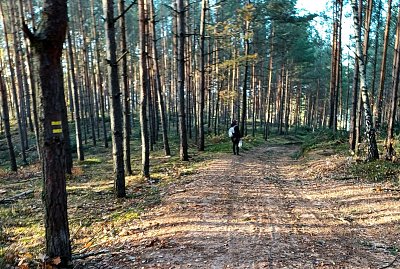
318	6
312	6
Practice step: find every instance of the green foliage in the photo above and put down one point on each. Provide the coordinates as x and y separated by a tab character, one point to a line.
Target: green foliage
322	139
377	171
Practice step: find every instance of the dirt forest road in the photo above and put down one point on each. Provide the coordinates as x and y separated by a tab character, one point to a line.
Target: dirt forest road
264	209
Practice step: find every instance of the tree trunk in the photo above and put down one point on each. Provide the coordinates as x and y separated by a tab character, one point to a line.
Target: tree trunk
202	82
6	120
395	85
99	76
375	57
86	81
125	90
379	101
370	132
26	73
19	79
367	27
115	104
183	143
33	83
144	121
245	78
269	91
75	101
332	88
47	43
158	86
14	89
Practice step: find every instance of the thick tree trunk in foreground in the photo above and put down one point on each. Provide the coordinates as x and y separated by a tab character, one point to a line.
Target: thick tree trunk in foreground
47	43
370	132
115	104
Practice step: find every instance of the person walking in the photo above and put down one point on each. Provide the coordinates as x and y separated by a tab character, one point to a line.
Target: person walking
234	134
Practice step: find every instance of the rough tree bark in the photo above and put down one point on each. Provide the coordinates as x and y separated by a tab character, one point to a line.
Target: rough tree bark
47	42
144	121
200	143
125	90
115	104
183	143
370	131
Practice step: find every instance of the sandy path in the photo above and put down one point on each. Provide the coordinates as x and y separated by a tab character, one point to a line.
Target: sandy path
266	210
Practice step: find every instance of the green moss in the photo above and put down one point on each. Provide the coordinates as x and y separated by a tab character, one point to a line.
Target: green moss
90	161
128	215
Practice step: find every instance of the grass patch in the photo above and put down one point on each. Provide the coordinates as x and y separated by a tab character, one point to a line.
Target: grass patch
125	216
323	140
90	161
377	171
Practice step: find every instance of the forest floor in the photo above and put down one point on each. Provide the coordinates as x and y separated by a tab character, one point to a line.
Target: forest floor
262	209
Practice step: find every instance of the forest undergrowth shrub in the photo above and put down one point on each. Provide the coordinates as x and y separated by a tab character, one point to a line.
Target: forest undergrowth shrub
324	139
377	171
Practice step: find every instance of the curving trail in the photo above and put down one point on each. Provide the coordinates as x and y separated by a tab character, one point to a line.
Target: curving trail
265	210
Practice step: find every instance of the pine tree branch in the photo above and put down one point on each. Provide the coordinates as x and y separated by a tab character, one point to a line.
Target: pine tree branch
28	33
125	11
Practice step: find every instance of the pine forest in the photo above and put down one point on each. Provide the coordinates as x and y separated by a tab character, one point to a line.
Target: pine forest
199	134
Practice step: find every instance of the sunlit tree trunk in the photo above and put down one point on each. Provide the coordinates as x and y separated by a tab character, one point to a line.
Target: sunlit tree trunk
125	90
375	58
144	85
394	95
157	80
75	101
115	104
202	82
370	132
86	81
14	88
379	99
99	75
269	91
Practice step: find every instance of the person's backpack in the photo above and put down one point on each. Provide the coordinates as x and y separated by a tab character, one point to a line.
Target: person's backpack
231	131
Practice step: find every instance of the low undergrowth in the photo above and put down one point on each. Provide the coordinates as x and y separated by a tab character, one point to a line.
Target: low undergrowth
329	143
